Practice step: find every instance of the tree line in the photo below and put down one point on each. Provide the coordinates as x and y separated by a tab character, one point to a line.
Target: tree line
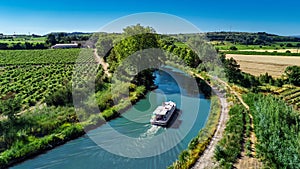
20	46
244	38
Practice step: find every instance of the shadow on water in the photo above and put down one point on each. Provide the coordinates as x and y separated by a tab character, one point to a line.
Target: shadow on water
175	121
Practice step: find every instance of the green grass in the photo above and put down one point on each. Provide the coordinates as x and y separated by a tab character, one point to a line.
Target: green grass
261	53
181	45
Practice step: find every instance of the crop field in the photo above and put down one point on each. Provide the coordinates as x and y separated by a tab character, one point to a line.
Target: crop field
274	50
24	39
260	64
37	57
33	75
290	94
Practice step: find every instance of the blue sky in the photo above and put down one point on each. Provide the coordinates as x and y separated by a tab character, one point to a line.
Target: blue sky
41	17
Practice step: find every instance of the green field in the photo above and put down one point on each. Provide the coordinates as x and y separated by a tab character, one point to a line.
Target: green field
24	39
261	53
37	57
275	46
34	83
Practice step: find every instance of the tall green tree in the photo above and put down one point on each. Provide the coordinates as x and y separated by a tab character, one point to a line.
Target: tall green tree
137	29
104	45
232	70
51	40
139	47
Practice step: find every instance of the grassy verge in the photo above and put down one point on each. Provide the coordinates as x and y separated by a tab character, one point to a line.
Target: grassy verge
197	146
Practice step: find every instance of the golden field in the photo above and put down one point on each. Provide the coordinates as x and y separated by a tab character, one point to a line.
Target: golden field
260	64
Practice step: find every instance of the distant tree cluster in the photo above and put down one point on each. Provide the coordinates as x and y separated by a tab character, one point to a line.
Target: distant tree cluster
20	46
55	38
260	38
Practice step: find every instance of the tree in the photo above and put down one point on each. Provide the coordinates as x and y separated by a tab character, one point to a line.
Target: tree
289	45
265	78
232	70
104	45
138	29
3	45
293	75
62	97
60	37
10	107
140	46
51	39
192	59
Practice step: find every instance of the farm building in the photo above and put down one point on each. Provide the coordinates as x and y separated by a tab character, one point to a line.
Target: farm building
65	46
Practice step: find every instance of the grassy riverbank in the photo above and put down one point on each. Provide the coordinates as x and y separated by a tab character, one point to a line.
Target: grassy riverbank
197	146
54	126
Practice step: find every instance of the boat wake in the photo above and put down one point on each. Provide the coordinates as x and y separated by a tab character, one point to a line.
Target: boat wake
151	131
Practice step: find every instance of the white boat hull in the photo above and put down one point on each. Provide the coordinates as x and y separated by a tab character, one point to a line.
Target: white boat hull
163	119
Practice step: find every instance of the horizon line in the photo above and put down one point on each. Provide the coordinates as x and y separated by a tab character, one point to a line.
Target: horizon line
92	32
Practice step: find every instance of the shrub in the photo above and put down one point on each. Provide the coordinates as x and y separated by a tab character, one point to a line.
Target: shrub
233	48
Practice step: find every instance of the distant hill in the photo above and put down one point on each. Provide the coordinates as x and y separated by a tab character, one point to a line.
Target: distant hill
69	33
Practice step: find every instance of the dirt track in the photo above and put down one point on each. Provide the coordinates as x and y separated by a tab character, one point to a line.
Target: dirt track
100	61
206	159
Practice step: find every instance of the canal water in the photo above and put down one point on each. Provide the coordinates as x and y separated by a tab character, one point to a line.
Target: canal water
130	142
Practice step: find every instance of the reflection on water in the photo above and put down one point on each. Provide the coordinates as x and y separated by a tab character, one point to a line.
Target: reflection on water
134	124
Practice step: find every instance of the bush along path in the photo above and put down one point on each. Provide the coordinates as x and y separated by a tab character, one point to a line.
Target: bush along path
236	149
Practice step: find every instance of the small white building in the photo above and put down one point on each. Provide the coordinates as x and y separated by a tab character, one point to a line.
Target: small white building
65	46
